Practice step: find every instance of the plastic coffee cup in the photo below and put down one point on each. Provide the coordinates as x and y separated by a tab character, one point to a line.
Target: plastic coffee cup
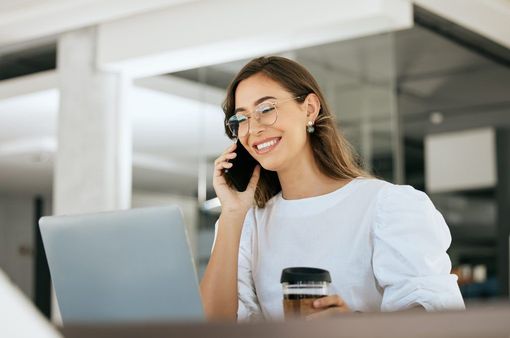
301	286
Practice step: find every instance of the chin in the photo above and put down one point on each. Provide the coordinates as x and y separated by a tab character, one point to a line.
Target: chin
270	165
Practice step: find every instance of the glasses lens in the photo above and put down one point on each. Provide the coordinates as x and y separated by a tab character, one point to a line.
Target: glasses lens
238	125
267	113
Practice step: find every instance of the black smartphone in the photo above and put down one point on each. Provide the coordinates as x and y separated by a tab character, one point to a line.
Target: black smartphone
242	168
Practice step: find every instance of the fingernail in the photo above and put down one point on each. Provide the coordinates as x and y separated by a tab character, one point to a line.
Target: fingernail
316	303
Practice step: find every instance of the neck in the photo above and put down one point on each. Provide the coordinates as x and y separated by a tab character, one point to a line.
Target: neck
303	179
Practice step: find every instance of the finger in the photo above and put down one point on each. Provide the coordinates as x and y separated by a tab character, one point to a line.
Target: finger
330	312
225	157
227	151
231	148
218	168
254	178
231	155
328	301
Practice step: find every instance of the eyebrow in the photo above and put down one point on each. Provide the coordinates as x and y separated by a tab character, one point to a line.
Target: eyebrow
259	101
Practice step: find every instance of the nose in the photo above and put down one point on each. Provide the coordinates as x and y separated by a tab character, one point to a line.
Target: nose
256	127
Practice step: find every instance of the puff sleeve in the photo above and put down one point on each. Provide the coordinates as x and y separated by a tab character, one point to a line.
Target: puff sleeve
410	239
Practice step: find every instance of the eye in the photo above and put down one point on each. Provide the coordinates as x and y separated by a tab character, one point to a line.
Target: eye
240	118
265	108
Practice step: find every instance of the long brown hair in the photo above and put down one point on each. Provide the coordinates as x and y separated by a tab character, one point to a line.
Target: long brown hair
333	154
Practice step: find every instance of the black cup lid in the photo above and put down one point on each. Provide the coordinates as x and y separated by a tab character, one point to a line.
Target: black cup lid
303	274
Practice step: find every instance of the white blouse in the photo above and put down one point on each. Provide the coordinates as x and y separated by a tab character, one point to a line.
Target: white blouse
383	244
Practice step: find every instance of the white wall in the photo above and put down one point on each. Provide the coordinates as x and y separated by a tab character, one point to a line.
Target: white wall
16	234
17	214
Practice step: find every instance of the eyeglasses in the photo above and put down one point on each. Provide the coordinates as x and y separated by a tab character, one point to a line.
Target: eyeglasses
265	113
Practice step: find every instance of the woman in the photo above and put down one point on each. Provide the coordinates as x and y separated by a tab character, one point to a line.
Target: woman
384	245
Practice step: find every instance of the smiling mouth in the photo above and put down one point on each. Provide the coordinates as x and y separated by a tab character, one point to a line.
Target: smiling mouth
266	147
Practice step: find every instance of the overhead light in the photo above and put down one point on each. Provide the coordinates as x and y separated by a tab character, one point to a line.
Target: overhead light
436	117
212	205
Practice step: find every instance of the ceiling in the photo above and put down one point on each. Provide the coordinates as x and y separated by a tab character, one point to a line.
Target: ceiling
166	152
430	73
23	21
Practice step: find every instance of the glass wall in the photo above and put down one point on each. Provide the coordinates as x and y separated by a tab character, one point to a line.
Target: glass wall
389	93
446	90
359	79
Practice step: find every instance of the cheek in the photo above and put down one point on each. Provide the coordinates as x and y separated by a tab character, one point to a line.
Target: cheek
298	141
294	121
294	133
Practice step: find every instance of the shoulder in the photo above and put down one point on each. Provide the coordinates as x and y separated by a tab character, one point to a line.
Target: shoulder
388	198
368	190
403	209
394	197
370	185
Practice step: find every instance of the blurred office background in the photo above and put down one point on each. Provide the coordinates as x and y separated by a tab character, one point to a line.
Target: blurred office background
109	105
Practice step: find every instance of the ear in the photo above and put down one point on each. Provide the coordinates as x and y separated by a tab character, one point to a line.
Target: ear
313	106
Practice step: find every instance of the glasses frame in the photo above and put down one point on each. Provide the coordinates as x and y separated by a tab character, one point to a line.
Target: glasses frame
275	103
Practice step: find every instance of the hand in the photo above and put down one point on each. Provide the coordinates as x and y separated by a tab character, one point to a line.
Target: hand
329	306
230	198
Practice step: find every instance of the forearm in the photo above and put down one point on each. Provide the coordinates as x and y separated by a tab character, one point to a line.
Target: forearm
219	283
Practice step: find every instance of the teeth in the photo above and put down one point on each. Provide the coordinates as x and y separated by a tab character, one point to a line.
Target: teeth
266	144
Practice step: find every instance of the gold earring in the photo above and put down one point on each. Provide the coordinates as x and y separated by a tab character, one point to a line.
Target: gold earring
310	128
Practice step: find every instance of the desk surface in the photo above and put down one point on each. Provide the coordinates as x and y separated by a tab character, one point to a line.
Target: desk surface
480	321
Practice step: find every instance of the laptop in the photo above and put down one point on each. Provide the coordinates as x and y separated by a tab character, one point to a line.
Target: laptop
122	266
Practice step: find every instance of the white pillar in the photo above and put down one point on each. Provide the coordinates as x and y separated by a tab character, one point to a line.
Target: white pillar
93	162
